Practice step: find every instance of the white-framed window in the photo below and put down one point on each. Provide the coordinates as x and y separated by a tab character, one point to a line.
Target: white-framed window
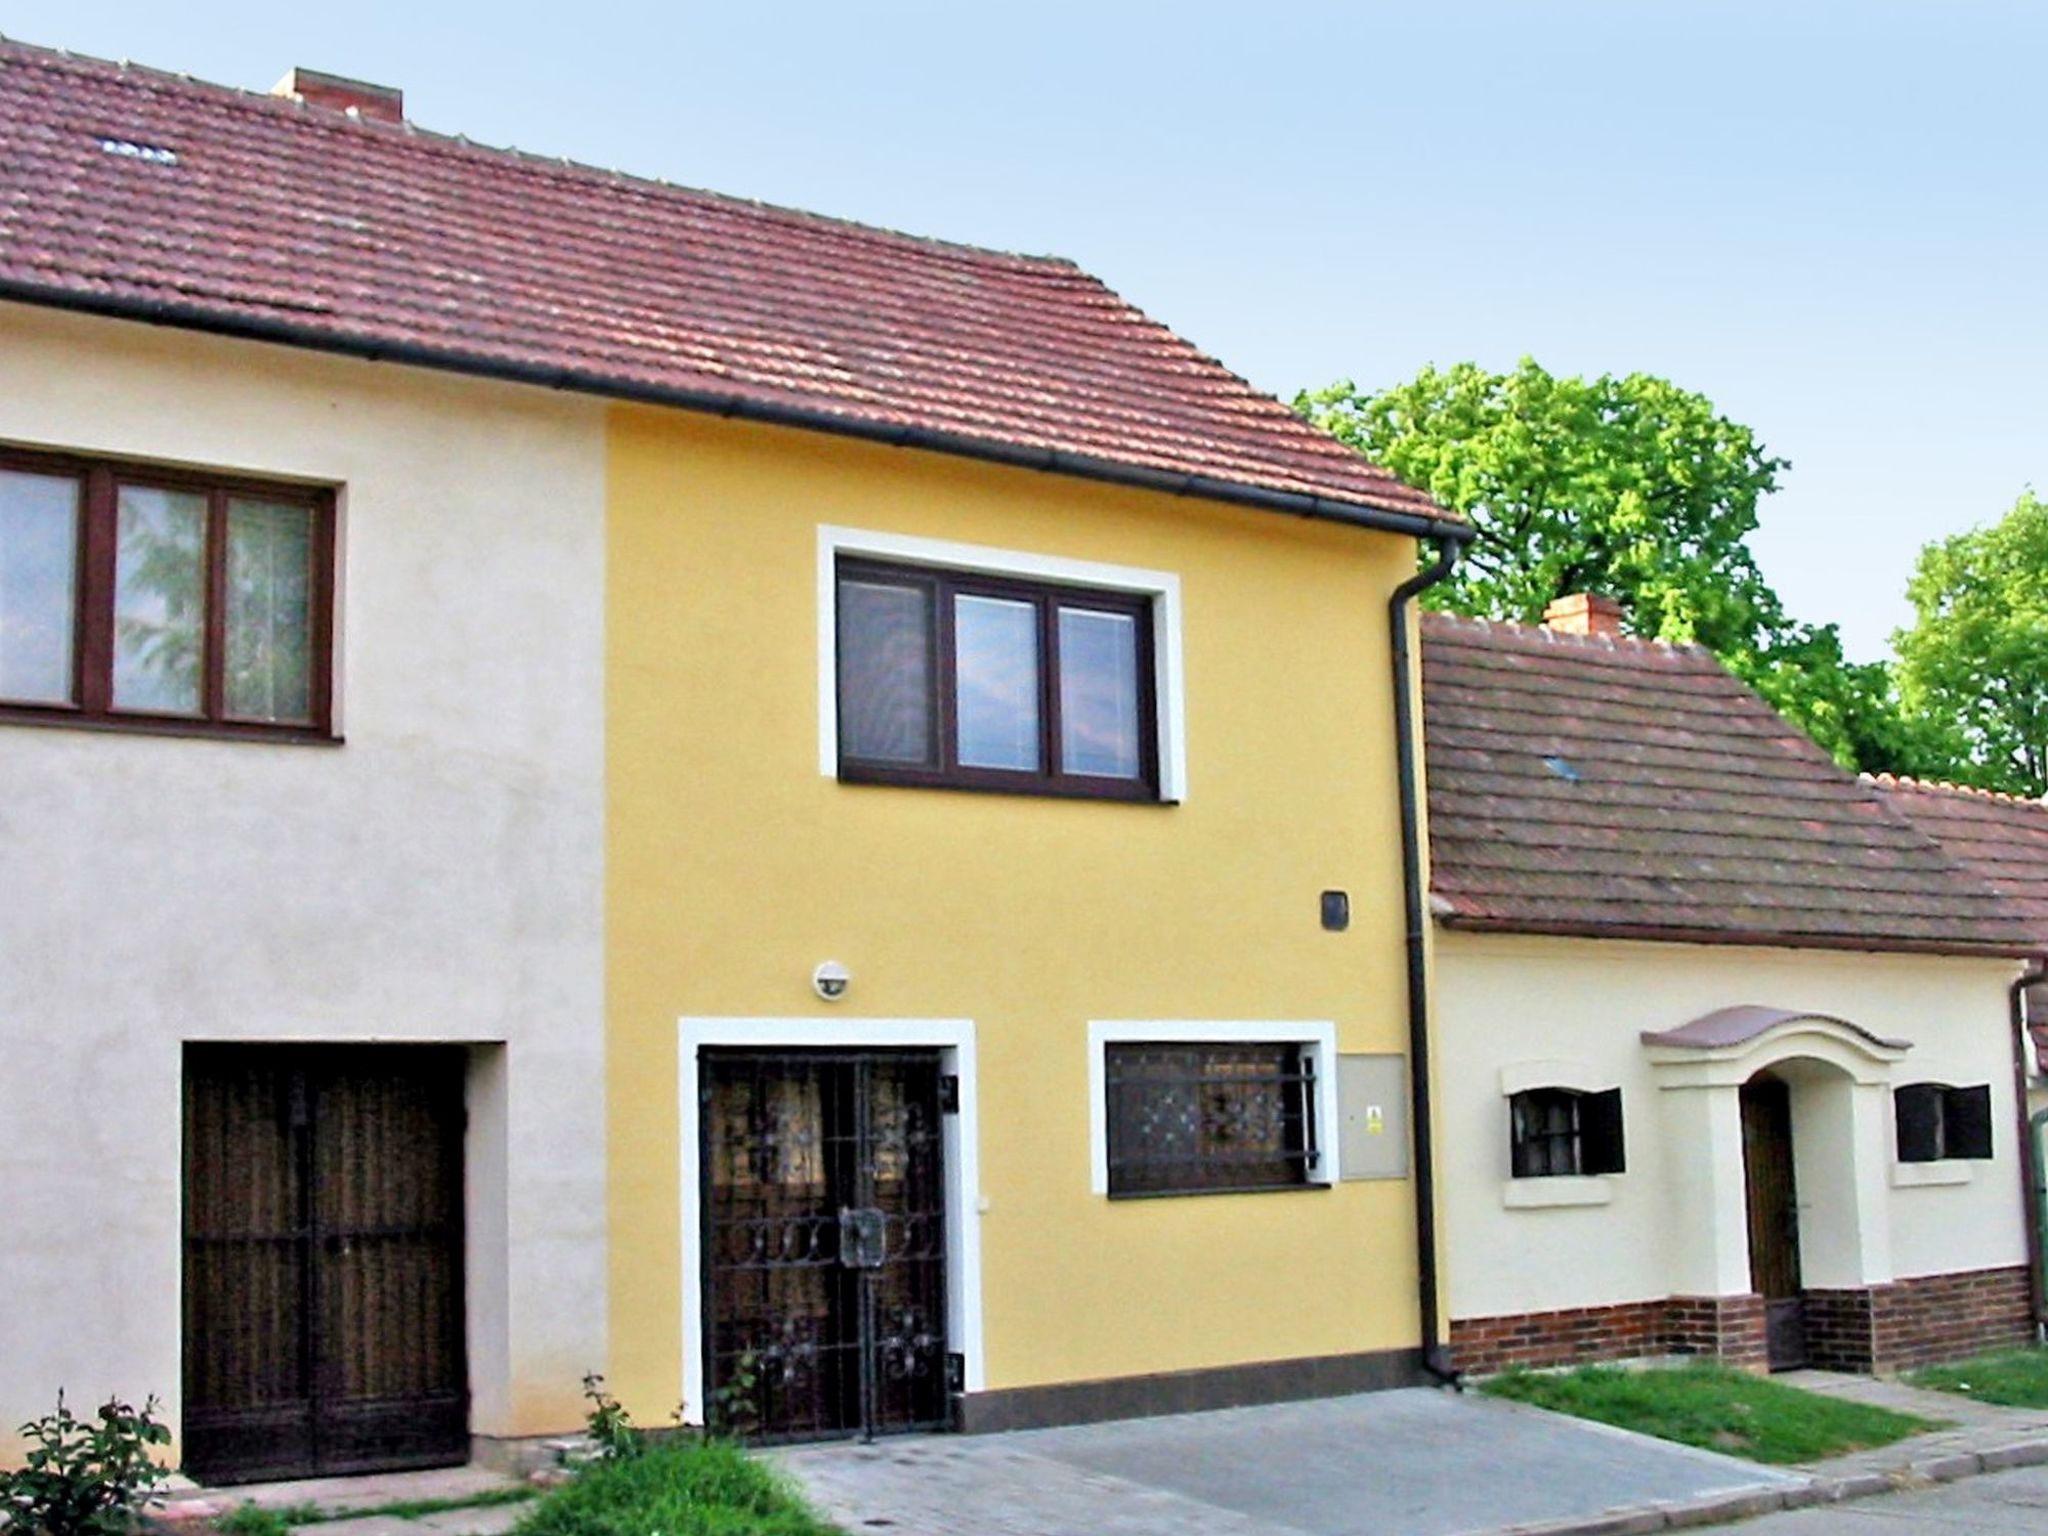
966	666
1182	1107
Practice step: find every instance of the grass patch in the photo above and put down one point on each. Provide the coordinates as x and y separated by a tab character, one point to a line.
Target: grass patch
677	1488
2012	1378
1714	1408
254	1520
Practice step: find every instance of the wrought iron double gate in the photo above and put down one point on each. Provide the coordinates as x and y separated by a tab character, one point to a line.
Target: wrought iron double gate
825	1242
323	1260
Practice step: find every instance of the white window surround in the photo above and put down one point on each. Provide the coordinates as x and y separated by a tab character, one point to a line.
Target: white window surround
954	1040
1926	1175
1553	1191
1163	587
1520	1076
1317	1039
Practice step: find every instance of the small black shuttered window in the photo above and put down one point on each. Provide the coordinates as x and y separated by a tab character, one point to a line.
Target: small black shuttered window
1555	1132
1936	1122
1186	1119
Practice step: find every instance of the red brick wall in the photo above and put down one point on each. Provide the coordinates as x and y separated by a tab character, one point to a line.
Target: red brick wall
1943	1317
1885	1327
1484	1345
1730	1327
1838	1330
1727	1328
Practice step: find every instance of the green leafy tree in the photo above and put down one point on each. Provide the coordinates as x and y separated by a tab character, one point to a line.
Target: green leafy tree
1627	486
1974	666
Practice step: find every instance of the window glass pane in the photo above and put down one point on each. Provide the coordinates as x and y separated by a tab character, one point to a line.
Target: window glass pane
38	586
995	649
885	688
1099	693
159	600
270	611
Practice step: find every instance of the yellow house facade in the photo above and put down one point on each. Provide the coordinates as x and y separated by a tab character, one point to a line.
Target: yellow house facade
610	779
1014	932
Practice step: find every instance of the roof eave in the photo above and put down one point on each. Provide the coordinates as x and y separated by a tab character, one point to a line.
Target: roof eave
1740	937
711	402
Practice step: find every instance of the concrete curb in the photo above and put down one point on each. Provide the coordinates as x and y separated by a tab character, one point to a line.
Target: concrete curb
1746	1503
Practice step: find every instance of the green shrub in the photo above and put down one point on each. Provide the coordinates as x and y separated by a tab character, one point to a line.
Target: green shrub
84	1477
678	1488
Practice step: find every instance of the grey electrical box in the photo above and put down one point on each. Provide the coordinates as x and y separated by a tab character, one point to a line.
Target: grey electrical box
1372	1117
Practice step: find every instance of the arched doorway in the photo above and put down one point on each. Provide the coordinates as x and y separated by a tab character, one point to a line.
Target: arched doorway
1771	1184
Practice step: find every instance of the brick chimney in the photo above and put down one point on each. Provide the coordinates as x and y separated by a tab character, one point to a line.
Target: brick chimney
1583	613
337	93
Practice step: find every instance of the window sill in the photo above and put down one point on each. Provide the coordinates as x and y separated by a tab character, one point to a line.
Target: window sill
1136	794
1928	1175
1556	1190
158	725
1227	1189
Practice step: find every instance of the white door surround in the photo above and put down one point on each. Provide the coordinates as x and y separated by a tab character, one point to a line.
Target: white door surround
954	1040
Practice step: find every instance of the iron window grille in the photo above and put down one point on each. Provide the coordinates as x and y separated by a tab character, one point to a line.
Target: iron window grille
963	680
1561	1132
1185	1119
1935	1122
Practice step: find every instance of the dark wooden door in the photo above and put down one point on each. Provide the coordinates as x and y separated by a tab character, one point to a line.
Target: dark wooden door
1773	1218
825	1242
323	1260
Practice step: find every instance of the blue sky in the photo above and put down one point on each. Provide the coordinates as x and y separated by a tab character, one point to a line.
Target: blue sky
1828	217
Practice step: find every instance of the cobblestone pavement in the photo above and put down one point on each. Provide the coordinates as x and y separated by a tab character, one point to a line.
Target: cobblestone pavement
1411	1463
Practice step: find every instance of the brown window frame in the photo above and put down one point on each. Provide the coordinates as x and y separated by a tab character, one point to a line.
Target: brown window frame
93	595
942	585
1212	1071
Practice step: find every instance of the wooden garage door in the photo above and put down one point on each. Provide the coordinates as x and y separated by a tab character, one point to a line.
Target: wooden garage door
323	1260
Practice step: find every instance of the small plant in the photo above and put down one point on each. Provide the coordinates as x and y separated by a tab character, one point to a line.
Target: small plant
253	1520
84	1477
735	1406
609	1425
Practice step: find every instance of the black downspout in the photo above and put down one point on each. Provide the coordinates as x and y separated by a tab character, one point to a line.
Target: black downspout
2030	1200
1434	1357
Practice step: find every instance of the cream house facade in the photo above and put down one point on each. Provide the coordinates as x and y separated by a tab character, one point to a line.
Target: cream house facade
1725	1065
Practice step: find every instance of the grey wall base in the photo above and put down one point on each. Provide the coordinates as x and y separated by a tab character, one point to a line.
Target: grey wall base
1229	1386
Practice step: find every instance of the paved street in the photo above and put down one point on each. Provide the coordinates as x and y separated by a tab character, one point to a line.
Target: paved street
1411	1463
1996	1503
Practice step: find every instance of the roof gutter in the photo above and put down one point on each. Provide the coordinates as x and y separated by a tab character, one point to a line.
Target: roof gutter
1435	1358
712	402
2033	1201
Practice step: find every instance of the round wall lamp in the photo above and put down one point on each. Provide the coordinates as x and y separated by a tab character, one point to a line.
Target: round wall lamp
830	981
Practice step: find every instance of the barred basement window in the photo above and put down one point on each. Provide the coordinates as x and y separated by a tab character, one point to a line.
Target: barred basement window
1935	1121
1187	1118
1558	1132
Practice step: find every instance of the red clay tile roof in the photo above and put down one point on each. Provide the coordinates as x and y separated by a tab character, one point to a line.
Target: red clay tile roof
132	191
1580	784
2003	838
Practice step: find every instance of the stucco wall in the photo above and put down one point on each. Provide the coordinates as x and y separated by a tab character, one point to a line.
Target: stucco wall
1505	1000
438	877
735	866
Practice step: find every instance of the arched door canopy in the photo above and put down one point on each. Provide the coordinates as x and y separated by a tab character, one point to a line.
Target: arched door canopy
1730	1045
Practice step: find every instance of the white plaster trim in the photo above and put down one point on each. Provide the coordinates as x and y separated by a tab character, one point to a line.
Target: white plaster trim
954	1038
1520	1076
1163	587
1317	1036
1927	1175
1865	1061
1555	1190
